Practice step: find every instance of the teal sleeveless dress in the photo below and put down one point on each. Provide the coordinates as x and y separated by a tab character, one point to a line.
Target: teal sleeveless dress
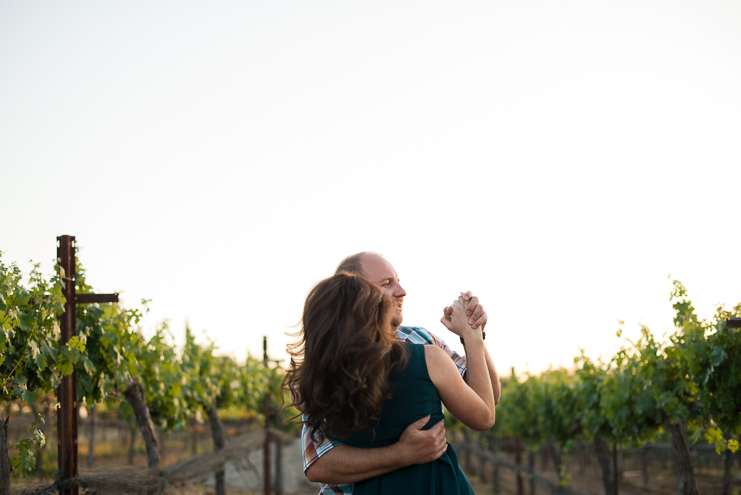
413	396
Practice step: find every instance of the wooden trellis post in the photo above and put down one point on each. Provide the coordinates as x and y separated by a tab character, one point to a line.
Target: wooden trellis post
67	392
518	460
266	411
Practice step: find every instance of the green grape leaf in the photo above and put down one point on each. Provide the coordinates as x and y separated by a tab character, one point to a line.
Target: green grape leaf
718	355
26	458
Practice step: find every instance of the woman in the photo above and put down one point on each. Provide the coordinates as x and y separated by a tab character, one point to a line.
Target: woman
356	383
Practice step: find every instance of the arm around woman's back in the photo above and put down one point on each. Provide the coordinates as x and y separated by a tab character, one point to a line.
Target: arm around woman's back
345	464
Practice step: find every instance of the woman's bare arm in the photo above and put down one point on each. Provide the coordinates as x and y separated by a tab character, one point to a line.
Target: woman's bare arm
473	404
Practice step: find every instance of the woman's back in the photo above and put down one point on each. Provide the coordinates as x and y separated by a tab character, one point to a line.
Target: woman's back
413	396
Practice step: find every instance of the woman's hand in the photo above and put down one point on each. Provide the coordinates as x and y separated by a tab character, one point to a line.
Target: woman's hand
475	311
458	323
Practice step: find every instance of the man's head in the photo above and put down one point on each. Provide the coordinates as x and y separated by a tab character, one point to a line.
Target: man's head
380	273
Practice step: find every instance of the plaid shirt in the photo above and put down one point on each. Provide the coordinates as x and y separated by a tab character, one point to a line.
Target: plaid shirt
313	450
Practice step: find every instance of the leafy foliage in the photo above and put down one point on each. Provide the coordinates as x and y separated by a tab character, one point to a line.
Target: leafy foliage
111	342
32	362
710	353
108	352
693	377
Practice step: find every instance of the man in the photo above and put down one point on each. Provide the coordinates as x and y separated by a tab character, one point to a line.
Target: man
338	466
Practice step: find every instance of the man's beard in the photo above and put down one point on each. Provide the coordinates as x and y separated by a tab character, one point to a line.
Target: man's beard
396	321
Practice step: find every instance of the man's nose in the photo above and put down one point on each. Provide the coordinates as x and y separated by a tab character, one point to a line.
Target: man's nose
399	292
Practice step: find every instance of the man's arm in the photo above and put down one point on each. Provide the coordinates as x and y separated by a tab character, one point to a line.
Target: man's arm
344	464
496	387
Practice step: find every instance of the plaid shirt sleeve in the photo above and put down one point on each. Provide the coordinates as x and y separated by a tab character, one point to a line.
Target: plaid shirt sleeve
419	335
313	450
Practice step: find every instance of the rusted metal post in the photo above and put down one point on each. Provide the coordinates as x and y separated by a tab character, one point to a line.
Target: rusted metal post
67	392
67	414
266	412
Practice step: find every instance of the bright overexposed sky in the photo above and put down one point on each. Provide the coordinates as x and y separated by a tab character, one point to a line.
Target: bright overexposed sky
559	159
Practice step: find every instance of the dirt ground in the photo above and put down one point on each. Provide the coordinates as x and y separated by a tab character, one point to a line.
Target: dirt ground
660	483
112	450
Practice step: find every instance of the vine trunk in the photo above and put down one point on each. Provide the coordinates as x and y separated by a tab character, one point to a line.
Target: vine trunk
603	456
219	437
686	483
134	394
4	457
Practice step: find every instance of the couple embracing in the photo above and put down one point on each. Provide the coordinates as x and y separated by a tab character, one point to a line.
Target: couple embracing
370	389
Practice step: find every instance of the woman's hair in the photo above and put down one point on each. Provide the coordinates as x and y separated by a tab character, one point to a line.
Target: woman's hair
347	350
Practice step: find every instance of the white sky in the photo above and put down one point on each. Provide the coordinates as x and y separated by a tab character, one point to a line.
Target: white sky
559	159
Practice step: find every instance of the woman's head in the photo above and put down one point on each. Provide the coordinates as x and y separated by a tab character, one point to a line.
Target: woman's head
347	350
345	308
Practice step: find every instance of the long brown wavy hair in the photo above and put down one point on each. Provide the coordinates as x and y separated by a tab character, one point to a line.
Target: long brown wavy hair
347	350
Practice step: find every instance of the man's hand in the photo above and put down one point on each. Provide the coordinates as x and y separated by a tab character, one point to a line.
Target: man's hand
423	446
475	311
345	464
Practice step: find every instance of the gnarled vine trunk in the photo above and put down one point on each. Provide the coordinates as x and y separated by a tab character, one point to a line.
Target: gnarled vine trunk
134	394
493	448
603	456
555	454
686	483
518	460
4	456
217	432
727	473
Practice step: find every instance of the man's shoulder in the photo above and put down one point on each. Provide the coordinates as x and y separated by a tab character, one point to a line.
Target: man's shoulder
419	335
416	335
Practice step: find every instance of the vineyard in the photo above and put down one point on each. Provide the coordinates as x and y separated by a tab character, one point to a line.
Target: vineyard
683	391
107	364
656	402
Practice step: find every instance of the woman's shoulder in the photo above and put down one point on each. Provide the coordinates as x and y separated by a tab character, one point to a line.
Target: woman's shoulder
426	353
434	353
426	360
438	362
415	360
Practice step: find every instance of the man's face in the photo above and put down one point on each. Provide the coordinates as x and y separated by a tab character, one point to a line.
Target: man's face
381	274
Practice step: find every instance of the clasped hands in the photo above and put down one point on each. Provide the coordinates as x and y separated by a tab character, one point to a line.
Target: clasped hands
477	317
